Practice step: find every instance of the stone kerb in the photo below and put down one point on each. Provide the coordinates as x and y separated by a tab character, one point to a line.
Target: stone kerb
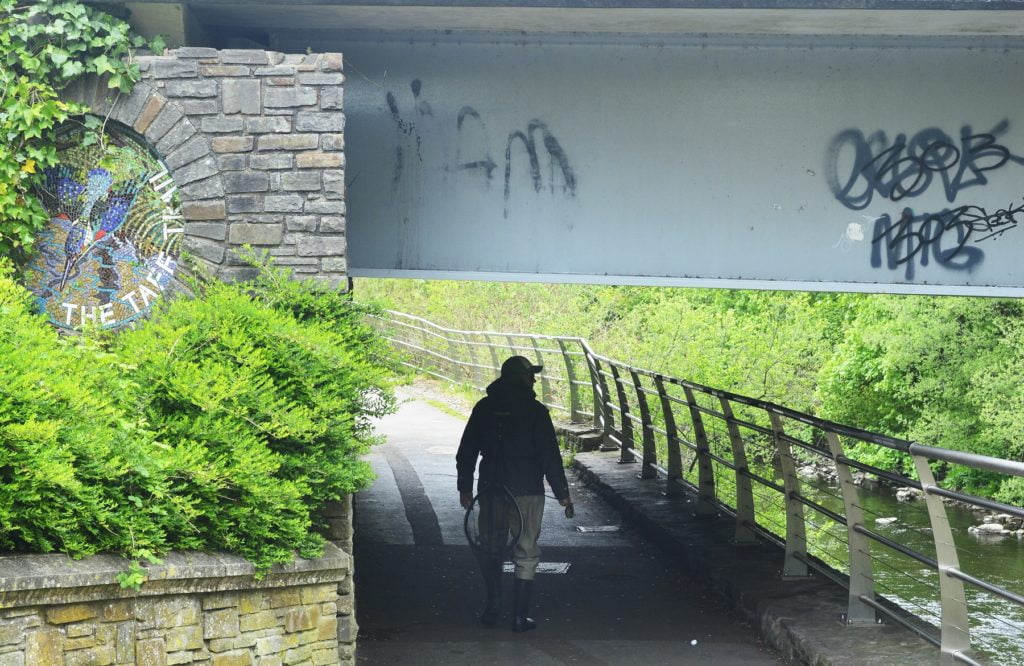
195	609
255	143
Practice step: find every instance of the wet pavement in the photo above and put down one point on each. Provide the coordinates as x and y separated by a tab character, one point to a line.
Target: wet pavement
622	600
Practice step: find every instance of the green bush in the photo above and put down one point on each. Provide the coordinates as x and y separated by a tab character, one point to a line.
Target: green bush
224	423
71	453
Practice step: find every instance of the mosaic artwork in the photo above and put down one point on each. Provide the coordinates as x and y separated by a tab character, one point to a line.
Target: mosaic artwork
112	245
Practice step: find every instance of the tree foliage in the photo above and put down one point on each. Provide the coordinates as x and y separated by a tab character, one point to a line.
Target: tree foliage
943	371
44	46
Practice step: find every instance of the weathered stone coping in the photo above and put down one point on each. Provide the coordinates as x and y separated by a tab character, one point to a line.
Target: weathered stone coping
36	580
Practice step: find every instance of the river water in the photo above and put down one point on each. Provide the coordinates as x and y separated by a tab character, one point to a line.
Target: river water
997	625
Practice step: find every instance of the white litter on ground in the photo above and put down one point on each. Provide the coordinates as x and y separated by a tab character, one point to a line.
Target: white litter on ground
542	568
598	528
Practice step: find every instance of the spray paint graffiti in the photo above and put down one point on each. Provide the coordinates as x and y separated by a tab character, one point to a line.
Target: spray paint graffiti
407	128
907	168
556	157
473	135
943	235
473	147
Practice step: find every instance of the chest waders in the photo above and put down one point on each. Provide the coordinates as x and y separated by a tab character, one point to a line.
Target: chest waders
496	503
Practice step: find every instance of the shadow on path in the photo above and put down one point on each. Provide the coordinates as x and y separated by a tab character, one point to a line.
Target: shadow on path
419	593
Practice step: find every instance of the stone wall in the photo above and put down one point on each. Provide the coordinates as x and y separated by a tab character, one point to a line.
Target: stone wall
254	141
340	531
195	609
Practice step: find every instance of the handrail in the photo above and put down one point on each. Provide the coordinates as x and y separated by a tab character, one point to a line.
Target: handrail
723	438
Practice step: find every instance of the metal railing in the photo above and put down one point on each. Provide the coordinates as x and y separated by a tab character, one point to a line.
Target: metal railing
748	455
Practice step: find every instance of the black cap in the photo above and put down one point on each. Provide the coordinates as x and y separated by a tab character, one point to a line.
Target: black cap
519	365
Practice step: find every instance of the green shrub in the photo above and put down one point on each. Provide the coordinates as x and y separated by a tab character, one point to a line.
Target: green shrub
275	405
72	454
224	423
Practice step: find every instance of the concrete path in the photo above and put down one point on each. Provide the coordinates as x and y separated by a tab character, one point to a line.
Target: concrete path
419	594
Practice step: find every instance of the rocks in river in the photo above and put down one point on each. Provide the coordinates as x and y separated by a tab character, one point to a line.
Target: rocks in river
866	481
1011	523
999	524
807	473
816	472
886	521
908	495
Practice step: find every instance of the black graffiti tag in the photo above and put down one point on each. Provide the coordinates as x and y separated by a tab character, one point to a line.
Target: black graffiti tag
407	128
472	138
556	156
903	169
941	236
483	162
995	224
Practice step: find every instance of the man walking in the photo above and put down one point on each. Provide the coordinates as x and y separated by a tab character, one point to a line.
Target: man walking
511	433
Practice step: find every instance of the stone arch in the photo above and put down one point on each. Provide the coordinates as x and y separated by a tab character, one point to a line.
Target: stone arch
178	142
254	141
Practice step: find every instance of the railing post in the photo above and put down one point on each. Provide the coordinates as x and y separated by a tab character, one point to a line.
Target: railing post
650	452
455	352
956	638
862	580
495	361
511	342
602	411
574	390
625	423
473	370
705	473
796	528
745	516
545	383
427	342
673	485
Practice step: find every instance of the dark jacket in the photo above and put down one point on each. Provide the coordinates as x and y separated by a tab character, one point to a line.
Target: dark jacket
513	433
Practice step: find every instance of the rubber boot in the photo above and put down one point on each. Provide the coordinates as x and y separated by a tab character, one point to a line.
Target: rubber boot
492	588
521	605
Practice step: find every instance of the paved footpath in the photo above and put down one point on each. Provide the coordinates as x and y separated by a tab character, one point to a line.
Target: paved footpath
419	593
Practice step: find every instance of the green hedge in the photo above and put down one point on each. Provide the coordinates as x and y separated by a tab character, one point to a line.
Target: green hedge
224	423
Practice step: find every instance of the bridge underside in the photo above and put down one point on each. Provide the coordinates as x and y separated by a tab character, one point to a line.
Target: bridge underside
746	146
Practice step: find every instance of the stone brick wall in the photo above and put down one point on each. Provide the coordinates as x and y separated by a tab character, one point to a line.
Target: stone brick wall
340	531
196	609
255	143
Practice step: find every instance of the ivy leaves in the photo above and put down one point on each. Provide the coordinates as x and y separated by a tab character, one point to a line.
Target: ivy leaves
44	46
29	112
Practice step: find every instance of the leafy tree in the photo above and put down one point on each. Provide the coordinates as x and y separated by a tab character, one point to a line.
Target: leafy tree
910	367
998	396
942	371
